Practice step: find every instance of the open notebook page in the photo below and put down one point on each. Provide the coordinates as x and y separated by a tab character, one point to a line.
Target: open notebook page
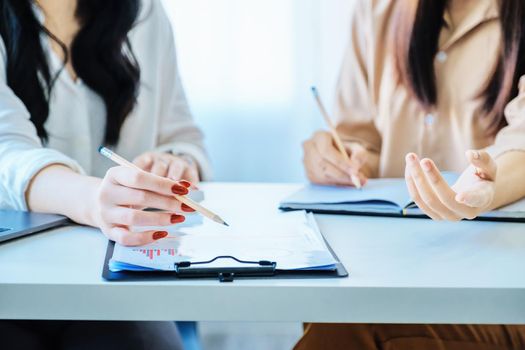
389	194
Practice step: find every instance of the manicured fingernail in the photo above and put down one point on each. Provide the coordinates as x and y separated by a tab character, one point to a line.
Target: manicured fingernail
187	208
180	190
177	219
159	235
475	154
425	164
185	183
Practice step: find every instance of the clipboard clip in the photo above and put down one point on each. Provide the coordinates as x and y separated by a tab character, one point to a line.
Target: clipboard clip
226	273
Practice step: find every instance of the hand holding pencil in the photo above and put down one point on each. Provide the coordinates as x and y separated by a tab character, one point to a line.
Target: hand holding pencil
327	160
179	196
115	203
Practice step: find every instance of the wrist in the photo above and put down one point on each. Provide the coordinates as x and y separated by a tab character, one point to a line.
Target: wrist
88	213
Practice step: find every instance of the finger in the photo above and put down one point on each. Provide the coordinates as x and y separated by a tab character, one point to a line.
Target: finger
323	171
124	236
176	169
358	154
425	190
126	196
192	175
160	167
186	183
310	161
363	179
485	165
144	162
189	185
414	194
334	175
131	217
325	147
142	180
186	208
191	172
315	165
443	190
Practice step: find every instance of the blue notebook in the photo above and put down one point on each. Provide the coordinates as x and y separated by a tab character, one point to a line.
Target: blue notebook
380	197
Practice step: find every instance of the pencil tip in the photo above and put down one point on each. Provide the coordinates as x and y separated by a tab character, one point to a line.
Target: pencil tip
100	149
226	224
314	90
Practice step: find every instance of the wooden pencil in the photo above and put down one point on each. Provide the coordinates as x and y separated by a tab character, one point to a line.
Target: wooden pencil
335	136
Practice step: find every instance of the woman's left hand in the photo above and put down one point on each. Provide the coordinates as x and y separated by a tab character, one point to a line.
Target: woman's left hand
471	195
168	165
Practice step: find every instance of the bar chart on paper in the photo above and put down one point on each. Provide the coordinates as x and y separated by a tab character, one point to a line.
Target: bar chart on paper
152	253
160	255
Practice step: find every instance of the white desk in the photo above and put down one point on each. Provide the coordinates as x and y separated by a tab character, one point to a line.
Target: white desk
401	270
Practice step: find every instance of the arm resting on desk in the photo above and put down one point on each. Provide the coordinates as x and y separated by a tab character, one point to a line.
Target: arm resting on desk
58	189
112	204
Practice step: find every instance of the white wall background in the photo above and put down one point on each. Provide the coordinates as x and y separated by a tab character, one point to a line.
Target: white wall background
247	66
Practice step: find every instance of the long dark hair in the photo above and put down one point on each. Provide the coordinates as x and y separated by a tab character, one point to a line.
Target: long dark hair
100	54
417	24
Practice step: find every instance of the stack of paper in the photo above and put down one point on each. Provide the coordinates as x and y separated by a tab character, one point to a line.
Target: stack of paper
292	240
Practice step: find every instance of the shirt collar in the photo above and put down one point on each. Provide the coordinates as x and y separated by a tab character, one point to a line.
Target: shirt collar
485	10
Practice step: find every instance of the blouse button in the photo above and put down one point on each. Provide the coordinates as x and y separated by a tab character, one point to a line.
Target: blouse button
441	56
429	119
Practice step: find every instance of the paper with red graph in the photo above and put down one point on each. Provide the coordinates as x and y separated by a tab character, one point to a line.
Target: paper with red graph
292	240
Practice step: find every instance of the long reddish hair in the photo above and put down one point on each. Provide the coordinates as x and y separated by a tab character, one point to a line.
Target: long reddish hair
417	25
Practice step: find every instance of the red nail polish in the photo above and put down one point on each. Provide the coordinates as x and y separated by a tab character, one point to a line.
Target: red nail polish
187	208
185	183
177	219
159	234
180	190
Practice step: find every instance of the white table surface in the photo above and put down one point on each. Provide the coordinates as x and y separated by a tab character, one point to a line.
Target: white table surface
401	271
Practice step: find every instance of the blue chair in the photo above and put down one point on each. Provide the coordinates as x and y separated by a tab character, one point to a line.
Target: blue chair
189	335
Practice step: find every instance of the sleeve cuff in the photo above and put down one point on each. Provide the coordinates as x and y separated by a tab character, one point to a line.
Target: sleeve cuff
496	150
25	168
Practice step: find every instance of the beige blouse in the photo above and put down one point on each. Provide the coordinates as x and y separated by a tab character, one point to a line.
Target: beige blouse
373	110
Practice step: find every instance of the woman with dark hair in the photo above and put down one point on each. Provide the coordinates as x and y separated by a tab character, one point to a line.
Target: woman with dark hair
430	85
75	75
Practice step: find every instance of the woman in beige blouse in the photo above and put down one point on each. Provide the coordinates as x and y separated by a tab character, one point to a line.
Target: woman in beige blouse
430	85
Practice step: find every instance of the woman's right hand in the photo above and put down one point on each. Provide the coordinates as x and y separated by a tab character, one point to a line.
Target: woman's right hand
120	197
325	165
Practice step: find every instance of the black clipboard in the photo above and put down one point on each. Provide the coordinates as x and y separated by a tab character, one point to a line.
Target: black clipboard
252	269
